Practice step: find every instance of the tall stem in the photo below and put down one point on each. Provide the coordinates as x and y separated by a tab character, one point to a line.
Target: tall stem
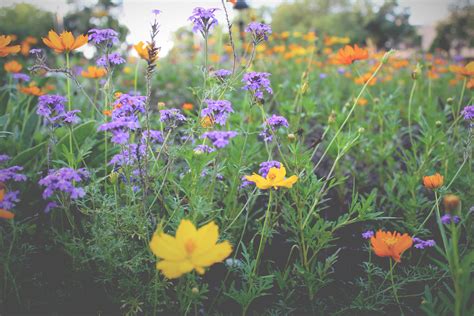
394	288
69	105
410	101
264	232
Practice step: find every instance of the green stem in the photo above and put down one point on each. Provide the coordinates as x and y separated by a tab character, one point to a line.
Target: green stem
393	286
410	101
69	104
264	231
458	110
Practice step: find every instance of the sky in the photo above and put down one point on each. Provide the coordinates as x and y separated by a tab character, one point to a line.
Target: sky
137	16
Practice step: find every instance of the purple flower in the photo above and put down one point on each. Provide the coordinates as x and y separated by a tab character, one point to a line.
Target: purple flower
323	76
70	117
172	117
259	31
120	128
128	105
114	59
219	139
218	109
11	173
468	112
267	165
156	11
272	123
50	206
64	180
203	20
51	107
99	36
422	244
4	158
448	218
244	182
153	137
204	149
257	83
36	51
368	234
129	155
9	200
21	77
222	73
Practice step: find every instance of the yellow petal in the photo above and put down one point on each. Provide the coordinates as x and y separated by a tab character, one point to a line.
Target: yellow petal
166	247
216	254
173	270
259	181
207	237
68	40
81	40
288	183
277	174
470	67
186	230
55	41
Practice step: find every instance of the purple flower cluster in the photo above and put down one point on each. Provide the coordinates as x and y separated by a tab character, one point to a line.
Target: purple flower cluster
368	234
447	219
172	117
204	149
222	73
99	36
21	77
4	158
12	173
271	124
9	200
52	108
129	155
468	112
128	105
114	59
422	244
259	31
64	180
219	139
257	83
203	20
36	51
219	110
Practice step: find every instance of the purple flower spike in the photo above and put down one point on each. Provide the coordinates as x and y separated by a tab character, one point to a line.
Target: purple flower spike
368	234
203	20
222	73
259	31
422	244
114	60
9	200
257	83
99	36
468	112
447	219
218	109
219	139
64	180
172	117
12	173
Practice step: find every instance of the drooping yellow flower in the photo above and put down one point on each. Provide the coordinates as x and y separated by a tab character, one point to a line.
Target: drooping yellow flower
6	50
64	42
274	179
142	50
94	72
191	249
13	67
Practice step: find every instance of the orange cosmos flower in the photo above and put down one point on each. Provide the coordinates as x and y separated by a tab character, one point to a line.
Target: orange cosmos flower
26	45
13	67
142	50
467	70
388	244
365	78
349	54
64	42
32	89
4	213
187	106
362	101
6	50
470	84
433	182
94	72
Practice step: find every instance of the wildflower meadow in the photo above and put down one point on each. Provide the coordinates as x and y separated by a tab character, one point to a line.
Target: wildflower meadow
247	171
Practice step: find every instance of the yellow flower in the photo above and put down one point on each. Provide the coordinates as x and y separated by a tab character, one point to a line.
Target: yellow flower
191	249
275	178
64	42
142	50
5	50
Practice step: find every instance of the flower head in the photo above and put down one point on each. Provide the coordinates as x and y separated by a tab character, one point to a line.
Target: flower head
112	59
271	124
204	149
64	180
94	72
172	117
257	83
21	77
388	244
348	54
447	219
218	110
64	42
13	66
12	173
99	36
259	31
203	19
433	182
451	202
222	73
274	179
191	249
6	50
368	234
219	139
422	244
468	113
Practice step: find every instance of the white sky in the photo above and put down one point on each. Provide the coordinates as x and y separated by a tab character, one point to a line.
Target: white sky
136	14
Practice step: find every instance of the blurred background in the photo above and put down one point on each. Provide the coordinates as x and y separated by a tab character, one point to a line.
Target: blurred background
429	25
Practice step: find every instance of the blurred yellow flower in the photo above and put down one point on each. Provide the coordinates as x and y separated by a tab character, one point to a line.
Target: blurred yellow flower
64	42
191	249
274	179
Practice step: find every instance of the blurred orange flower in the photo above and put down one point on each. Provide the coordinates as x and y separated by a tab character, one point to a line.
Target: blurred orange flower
94	72
26	45
6	50
187	106
32	89
349	54
388	244
433	182
13	67
4	213
365	78
142	50
64	42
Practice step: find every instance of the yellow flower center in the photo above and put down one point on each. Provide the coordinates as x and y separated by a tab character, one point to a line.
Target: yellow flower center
190	246
391	241
271	176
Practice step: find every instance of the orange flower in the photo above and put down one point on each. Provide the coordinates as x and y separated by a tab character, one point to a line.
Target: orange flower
451	202
362	101
467	70
142	50
64	42
348	54
4	213
94	72
13	67
433	182
388	244
6	50
207	122
32	89
470	84
26	45
364	79
187	106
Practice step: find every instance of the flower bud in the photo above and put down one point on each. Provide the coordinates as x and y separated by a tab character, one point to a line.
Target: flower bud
195	290
438	123
361	130
113	177
291	137
451	202
449	101
332	117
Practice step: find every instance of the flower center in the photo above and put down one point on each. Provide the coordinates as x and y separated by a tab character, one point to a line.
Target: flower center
190	246
391	241
272	176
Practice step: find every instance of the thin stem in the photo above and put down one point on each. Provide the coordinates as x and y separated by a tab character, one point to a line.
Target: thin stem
393	286
264	231
410	101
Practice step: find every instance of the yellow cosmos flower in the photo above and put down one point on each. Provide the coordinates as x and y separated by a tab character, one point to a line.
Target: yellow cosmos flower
6	50
275	178
65	42
94	72
142	50
191	249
